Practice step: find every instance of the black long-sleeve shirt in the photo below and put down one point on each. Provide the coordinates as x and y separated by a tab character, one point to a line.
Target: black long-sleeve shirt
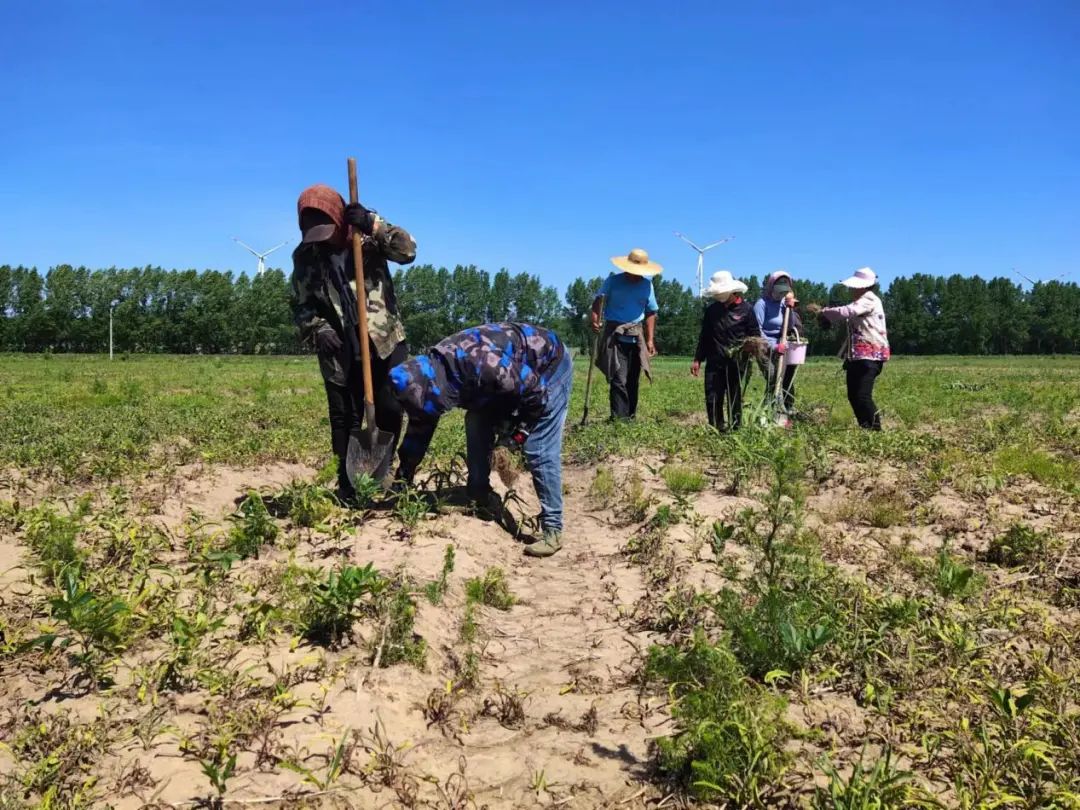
724	326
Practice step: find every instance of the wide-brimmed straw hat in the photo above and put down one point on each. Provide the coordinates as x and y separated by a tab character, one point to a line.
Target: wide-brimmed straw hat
722	282
861	279
637	262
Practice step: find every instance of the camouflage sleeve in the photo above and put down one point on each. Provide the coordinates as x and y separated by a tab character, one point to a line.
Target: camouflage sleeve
305	315
414	446
395	243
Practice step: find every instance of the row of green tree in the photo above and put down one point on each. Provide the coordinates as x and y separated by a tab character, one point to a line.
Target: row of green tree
154	310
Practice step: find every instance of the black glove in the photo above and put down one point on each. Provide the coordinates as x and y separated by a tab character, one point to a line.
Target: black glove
360	218
327	342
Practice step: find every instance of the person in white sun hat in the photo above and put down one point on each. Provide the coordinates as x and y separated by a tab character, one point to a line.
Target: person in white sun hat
867	346
727	323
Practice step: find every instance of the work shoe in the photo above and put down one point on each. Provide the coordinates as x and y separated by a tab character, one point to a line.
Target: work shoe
551	542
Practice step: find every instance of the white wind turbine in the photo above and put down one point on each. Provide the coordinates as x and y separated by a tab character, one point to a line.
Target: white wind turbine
260	256
701	258
1033	282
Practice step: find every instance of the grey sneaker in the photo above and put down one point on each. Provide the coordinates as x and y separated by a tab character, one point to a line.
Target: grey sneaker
545	547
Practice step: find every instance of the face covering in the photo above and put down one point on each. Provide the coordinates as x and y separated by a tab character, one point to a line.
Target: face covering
780	290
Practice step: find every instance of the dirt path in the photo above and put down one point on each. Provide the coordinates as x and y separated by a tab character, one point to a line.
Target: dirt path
556	716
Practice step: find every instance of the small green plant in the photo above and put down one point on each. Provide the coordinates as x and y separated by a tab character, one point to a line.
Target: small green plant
367	490
53	536
97	623
633	503
1021	546
435	590
219	770
306	504
331	608
880	786
252	527
602	488
683	481
952	578
719	535
398	641
336	764
491	589
410	507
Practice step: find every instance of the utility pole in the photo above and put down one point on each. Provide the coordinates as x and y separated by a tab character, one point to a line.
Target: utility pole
111	305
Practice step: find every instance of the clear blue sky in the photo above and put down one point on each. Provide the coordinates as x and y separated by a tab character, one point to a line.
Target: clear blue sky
922	136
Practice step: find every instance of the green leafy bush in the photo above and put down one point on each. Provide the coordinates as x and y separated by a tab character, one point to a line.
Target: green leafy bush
331	608
730	742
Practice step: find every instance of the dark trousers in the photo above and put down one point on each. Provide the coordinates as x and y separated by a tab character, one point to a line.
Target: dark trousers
861	376
723	389
623	383
346	406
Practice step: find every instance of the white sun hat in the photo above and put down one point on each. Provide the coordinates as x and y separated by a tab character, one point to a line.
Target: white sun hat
861	279
722	282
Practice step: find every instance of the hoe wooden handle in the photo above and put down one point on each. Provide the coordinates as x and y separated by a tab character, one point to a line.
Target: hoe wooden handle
361	293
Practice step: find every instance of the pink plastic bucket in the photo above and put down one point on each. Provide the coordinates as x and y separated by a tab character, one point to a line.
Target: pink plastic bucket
796	352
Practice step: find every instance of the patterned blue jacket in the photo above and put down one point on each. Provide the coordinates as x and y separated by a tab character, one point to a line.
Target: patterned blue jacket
503	368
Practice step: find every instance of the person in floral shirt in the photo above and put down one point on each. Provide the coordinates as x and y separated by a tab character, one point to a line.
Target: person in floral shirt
866	348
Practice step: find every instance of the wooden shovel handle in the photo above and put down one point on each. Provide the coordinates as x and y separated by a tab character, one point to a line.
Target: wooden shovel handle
361	293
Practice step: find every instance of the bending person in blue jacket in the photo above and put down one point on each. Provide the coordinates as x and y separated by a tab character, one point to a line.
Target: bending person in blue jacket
513	380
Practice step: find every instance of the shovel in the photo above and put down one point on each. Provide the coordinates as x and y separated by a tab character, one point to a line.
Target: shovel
592	362
371	451
781	415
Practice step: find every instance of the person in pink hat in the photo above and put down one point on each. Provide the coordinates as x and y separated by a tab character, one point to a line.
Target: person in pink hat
866	348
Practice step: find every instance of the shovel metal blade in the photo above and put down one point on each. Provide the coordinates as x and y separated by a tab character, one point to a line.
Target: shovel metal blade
370	453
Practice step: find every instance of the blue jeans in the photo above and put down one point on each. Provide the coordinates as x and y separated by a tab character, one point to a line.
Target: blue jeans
543	448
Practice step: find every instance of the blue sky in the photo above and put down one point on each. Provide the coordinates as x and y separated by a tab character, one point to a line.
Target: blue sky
914	137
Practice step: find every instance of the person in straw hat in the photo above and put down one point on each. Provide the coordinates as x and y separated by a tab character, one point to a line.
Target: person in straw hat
728	323
627	303
866	348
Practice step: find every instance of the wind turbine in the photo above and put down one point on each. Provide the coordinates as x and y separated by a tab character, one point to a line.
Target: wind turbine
1032	282
701	258
260	256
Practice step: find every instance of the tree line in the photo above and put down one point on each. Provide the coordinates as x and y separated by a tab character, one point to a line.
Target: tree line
66	309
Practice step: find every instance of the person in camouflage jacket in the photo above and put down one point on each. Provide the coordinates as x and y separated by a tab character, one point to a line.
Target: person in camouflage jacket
324	310
514	381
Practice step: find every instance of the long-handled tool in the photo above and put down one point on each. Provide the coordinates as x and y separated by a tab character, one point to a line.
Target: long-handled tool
778	396
592	362
371	451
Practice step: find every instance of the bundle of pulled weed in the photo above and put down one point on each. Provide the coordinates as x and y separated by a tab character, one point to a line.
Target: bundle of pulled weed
502	459
754	347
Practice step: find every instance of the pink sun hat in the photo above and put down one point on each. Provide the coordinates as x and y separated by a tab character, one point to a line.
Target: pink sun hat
861	279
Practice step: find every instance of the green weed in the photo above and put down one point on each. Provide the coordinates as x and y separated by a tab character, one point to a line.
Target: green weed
952	578
683	481
435	590
730	742
491	589
1022	546
252	527
331	607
